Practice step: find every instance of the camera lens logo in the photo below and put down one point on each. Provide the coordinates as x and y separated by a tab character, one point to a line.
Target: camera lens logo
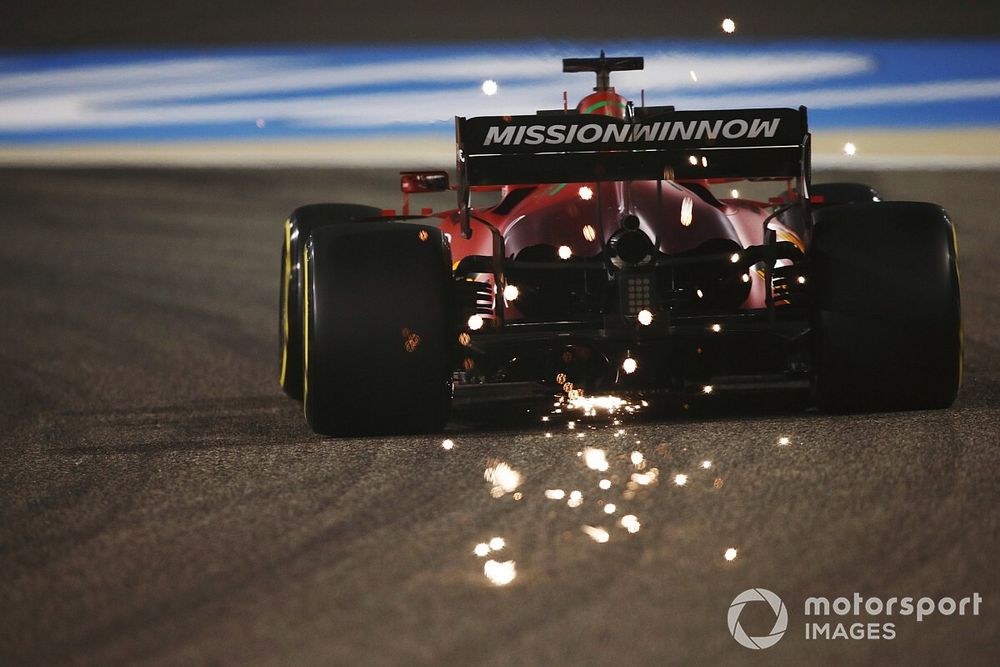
780	621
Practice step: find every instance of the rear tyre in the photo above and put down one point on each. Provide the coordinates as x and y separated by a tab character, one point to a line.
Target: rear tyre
299	225
887	313
378	329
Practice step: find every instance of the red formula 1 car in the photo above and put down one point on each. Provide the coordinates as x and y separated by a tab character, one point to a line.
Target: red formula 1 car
608	265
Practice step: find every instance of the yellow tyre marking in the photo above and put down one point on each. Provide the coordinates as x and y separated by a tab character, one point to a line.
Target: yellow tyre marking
286	279
791	238
961	326
305	331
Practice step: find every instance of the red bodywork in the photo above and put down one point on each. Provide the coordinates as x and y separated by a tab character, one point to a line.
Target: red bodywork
694	280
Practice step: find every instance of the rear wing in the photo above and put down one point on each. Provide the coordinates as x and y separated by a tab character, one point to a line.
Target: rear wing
658	144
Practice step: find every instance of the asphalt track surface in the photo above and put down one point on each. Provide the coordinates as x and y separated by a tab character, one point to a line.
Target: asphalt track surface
162	502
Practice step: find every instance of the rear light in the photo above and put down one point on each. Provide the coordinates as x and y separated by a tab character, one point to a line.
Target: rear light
638	294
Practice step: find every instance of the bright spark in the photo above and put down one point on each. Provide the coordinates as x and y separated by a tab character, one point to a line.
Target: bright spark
481	549
604	484
497	543
850	149
490	87
599	535
687	207
680	479
586	192
499	573
595	459
448	444
631	523
555	494
476	322
510	292
610	508
629	365
503	478
730	554
591	404
645	317
644	478
589	233
728	26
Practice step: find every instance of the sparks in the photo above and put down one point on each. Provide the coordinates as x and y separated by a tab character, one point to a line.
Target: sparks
599	535
595	459
589	405
502	477
499	573
687	207
630	523
490	87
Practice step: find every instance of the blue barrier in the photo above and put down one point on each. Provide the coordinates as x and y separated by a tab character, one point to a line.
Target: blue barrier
272	93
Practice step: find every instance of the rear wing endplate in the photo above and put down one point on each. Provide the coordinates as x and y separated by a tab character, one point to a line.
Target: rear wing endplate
674	145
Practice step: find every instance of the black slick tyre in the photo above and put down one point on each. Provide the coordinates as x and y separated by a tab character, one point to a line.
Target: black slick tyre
378	329
887	313
297	228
